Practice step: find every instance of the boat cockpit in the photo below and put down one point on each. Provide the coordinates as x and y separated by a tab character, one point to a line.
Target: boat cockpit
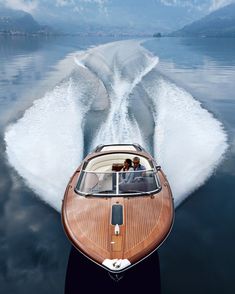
103	176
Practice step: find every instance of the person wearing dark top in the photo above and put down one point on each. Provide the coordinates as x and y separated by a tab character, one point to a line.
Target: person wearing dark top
138	167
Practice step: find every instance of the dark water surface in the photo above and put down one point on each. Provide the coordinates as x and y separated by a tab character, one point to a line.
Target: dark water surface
85	277
198	256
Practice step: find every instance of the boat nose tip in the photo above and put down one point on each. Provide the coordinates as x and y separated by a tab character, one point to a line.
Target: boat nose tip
116	264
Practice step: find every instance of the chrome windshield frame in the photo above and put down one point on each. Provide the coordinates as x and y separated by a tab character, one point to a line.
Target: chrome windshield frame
117	192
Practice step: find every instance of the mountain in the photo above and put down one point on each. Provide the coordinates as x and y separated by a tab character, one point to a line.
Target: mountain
20	22
128	15
220	23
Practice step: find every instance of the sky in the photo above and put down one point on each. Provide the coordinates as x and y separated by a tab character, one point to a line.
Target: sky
161	15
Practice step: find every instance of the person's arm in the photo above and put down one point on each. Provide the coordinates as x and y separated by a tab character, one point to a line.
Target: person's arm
130	175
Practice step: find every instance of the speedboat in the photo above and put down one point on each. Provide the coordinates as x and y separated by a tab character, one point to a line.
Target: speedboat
114	223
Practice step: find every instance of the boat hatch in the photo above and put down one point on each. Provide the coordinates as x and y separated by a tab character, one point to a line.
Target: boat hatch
117	214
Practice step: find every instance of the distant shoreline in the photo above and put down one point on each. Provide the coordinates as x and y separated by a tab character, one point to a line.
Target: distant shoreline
111	35
98	34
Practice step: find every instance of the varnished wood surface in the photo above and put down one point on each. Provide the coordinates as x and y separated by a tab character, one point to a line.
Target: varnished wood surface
147	221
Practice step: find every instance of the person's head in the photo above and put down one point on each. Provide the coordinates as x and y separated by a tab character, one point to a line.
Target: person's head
136	161
127	162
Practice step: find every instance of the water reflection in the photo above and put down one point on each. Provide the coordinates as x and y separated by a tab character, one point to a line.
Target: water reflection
191	52
84	276
220	50
204	67
33	248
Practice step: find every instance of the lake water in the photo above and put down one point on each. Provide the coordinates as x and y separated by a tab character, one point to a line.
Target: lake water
60	97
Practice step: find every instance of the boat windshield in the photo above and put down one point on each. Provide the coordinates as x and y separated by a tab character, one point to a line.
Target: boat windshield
117	183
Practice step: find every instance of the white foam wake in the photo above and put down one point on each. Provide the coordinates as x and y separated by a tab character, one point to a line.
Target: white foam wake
188	141
47	143
120	126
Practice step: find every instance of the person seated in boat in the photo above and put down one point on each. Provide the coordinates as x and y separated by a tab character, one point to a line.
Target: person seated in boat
132	181
128	175
138	167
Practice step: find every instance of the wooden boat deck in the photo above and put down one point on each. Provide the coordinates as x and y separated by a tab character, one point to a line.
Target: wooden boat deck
146	223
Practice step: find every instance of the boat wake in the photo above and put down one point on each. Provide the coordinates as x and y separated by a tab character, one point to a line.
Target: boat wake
114	95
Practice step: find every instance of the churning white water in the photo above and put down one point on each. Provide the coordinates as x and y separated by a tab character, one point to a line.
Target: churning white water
47	143
188	140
